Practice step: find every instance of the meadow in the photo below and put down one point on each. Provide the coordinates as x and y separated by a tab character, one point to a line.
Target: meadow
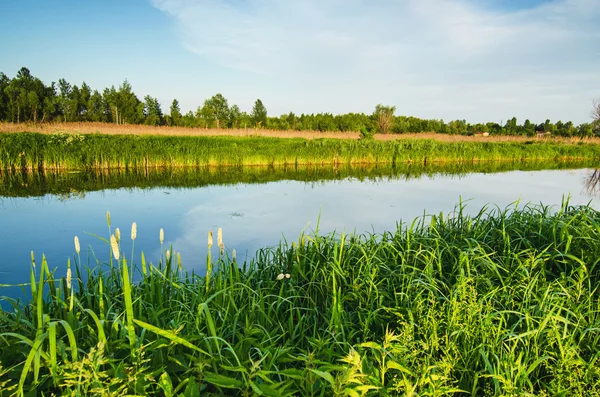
502	303
35	151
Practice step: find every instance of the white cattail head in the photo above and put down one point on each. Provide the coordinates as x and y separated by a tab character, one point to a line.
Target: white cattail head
179	261
77	247
118	235
108	218
115	247
280	277
287	275
220	241
233	255
168	254
69	276
161	236
209	239
133	230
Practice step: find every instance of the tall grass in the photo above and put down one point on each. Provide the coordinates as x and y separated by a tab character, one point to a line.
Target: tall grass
74	184
504	303
33	151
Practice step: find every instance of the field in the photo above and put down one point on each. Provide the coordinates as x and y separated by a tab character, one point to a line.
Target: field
41	152
129	129
504	303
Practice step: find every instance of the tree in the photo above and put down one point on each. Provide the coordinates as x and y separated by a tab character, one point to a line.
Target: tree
95	107
175	113
33	101
259	114
384	118
152	111
235	115
596	114
131	109
216	110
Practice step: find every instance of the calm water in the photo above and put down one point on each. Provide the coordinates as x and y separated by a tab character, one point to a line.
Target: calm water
255	213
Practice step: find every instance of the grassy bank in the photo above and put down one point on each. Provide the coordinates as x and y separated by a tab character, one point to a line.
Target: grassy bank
503	303
33	151
75	184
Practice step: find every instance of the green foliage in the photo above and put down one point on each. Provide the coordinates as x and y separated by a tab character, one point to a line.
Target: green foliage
259	114
32	151
25	98
366	134
502	303
384	117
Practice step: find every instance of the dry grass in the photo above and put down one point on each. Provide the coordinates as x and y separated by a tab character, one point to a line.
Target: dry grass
134	129
112	129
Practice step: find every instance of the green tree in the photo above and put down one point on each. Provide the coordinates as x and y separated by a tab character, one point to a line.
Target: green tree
175	113
215	110
152	111
384	118
131	109
33	101
64	99
235	115
96	107
259	114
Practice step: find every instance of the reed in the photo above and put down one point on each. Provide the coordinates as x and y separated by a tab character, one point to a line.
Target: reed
33	151
502	303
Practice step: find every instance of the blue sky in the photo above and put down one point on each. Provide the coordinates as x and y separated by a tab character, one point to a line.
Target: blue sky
484	60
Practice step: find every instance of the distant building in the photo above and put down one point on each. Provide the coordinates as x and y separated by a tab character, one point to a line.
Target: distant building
542	134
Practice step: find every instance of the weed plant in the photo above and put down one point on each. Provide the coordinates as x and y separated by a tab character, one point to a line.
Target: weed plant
503	303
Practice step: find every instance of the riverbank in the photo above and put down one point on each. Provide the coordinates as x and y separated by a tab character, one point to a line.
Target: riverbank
501	303
34	151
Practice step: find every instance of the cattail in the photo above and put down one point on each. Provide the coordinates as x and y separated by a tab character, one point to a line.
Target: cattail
32	259
233	255
77	248
287	275
220	239
280	277
179	261
69	275
161	236
168	254
133	230
114	246
209	239
118	235
108	218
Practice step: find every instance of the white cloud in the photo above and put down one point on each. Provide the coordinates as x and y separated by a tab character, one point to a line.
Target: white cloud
432	58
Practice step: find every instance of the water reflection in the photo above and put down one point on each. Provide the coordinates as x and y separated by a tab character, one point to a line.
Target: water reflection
255	206
75	185
592	183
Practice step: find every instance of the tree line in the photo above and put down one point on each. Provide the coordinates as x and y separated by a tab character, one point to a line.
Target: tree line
26	98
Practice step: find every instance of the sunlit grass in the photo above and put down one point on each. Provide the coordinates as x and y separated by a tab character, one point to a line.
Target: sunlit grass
34	152
502	303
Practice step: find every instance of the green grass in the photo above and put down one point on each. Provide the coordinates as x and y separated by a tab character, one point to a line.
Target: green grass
504	303
74	184
32	151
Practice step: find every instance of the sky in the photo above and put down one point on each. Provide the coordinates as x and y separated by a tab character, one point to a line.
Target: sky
479	60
